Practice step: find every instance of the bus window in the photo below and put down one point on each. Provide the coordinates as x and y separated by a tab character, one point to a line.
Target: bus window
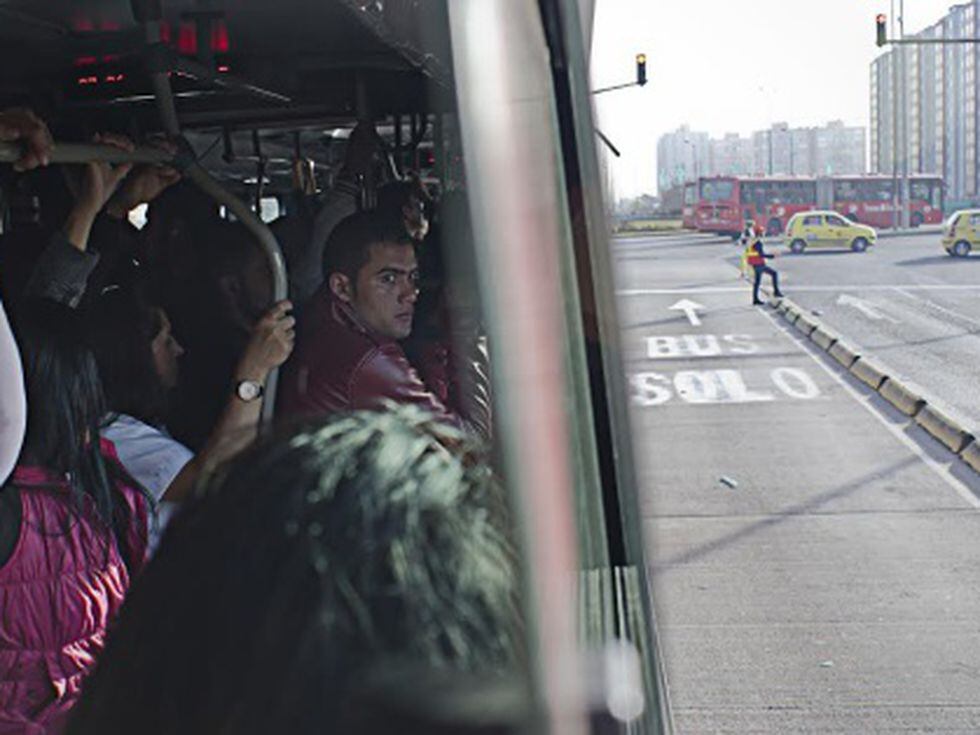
501	323
716	191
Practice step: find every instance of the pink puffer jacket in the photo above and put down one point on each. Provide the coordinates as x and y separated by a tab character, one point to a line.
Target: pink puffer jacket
59	591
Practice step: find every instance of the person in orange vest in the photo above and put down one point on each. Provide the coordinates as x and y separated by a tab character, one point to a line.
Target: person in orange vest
756	257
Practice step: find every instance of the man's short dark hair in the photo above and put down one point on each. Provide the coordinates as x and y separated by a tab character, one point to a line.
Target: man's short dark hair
348	248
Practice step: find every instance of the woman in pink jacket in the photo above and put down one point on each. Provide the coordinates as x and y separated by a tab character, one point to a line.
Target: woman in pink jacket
72	530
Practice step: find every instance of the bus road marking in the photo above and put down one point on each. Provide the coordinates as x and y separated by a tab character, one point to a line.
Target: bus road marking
690	309
670	346
865	307
724	386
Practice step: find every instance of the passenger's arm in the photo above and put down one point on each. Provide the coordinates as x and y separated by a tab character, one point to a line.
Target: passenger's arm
144	185
271	343
13	403
23	125
99	184
459	377
62	272
387	374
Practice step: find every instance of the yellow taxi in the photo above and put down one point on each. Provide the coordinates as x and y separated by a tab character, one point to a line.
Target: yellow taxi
826	229
961	232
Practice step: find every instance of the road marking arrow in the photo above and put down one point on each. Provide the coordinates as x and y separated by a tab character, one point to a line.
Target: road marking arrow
690	309
865	307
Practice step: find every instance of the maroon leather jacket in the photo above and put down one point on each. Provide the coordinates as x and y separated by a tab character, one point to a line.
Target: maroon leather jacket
340	365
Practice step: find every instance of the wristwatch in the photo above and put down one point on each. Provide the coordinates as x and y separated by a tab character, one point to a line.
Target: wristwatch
248	390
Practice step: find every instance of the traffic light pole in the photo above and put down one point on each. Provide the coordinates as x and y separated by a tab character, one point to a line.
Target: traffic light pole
641	80
902	195
641	77
896	200
904	191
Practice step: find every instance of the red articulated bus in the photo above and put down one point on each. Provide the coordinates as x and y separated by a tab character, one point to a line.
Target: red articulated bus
727	203
871	199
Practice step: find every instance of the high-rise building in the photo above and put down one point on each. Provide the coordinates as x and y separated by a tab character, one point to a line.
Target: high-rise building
730	155
839	150
683	155
933	88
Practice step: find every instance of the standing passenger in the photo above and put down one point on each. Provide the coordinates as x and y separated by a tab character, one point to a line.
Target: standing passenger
72	530
138	361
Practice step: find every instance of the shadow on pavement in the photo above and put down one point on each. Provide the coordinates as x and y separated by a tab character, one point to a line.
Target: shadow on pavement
794	510
936	260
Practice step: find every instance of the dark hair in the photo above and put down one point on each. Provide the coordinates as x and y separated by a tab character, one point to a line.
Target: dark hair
319	556
66	407
122	325
348	248
226	248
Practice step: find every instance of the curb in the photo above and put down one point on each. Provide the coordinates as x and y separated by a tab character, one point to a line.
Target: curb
933	420
901	397
943	428
844	354
971	455
805	324
869	373
823	338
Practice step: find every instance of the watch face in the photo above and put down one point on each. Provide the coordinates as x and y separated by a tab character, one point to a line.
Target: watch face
249	390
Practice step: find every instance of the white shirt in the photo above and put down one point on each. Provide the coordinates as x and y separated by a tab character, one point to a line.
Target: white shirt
153	458
13	405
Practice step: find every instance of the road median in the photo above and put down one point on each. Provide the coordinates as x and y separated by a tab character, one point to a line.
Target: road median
943	428
909	400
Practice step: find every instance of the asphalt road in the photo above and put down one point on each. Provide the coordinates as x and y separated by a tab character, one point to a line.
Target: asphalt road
908	303
815	558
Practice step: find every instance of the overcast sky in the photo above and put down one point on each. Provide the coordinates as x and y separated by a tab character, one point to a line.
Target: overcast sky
733	66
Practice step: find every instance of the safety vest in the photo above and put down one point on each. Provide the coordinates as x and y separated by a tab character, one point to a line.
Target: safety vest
752	256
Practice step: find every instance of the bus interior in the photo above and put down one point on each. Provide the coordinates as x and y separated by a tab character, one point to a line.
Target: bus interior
486	104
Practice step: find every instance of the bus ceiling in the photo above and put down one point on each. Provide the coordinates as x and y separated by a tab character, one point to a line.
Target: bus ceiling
292	60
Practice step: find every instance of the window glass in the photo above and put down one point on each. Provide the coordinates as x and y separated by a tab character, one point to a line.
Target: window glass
834	220
813	220
715	191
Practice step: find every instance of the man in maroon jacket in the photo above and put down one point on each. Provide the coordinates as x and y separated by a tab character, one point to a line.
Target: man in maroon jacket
347	352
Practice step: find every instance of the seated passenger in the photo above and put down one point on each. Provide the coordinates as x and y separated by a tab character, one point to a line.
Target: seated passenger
72	529
347	353
315	560
138	362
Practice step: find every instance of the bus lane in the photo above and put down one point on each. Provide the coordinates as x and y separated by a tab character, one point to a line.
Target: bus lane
803	551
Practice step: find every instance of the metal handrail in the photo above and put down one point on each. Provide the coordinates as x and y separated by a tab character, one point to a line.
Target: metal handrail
65	153
76	153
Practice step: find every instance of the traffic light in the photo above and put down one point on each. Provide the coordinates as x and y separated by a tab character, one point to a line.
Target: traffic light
882	33
641	69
